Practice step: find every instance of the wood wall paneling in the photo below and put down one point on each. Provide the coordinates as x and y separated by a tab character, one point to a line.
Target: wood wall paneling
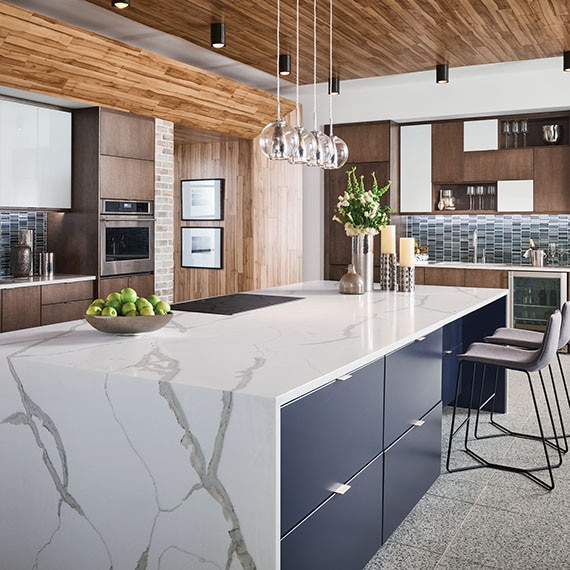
45	56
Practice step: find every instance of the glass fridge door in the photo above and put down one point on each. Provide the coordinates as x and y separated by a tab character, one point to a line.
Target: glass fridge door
534	297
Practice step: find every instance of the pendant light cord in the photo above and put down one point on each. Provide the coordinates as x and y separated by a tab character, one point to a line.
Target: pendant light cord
278	52
330	66
297	106
315	63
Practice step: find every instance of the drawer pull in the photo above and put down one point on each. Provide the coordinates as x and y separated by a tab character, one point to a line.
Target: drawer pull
421	339
344	377
418	423
448	352
340	489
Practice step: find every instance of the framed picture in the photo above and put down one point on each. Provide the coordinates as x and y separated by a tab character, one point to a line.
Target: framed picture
202	247
202	199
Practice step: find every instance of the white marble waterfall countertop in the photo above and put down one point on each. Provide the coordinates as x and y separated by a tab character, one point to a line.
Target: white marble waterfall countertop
161	451
276	352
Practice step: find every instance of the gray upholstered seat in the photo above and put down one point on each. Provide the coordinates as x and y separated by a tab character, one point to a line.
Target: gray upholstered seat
524	360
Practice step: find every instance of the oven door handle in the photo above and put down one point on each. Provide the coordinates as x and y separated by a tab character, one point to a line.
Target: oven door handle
127	218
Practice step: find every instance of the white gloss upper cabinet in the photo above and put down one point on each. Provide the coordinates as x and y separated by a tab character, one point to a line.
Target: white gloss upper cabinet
515	195
35	157
415	168
481	135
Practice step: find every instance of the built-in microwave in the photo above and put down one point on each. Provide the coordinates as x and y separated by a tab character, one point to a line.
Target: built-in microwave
127	237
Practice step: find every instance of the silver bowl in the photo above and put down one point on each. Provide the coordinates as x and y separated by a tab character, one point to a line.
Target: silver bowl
551	133
129	325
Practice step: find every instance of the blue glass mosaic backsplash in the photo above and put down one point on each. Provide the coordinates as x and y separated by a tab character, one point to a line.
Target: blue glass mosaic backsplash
10	223
504	238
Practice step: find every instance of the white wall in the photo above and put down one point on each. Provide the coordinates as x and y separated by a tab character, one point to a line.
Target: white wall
503	88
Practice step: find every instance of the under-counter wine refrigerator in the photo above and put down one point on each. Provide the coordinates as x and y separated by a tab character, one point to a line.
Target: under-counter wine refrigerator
534	296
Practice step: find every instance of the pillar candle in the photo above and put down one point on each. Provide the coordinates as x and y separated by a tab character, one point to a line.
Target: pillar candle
388	239
407	246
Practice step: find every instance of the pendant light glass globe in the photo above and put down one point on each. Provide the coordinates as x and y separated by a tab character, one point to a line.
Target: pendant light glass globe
304	152
339	155
278	140
323	149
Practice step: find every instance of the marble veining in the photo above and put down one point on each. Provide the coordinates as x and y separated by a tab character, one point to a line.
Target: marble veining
162	451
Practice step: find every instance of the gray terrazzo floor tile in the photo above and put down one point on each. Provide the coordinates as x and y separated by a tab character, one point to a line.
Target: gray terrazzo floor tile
504	539
432	523
394	556
452	563
464	486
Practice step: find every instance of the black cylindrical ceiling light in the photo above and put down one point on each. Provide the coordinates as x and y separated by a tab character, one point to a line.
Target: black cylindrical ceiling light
285	64
566	61
442	73
334	85
121	4
218	35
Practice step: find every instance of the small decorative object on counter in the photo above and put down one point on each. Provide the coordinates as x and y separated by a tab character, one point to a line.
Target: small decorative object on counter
551	133
406	269
46	264
21	255
351	283
362	215
388	258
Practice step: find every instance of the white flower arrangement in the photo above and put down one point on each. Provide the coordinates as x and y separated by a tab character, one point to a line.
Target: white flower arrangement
359	210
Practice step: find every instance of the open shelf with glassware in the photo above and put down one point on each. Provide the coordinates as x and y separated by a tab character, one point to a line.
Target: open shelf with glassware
533	131
535	295
466	197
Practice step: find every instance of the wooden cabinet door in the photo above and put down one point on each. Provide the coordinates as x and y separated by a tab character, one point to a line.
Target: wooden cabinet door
366	142
111	285
20	308
447	152
486	278
444	276
126	135
551	180
481	166
143	284
126	178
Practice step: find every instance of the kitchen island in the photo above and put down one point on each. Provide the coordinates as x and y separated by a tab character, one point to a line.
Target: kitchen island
174	449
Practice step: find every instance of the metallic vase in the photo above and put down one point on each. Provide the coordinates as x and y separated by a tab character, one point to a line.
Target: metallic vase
363	258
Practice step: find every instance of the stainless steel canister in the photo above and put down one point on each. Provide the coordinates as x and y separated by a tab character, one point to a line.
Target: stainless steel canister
46	264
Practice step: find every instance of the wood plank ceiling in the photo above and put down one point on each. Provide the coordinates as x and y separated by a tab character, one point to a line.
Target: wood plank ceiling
371	37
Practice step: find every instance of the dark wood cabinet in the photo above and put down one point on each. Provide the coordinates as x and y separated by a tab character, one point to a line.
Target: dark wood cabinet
373	147
126	135
21	308
126	178
552	180
143	284
447	153
65	301
492	278
444	276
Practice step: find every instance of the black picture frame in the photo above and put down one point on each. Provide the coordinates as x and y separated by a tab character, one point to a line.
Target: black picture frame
201	247
202	199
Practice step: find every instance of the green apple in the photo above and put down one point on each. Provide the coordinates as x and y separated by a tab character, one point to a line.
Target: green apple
153	299
93	310
99	302
108	312
141	302
128	308
114	304
147	311
113	297
132	314
128	295
162	308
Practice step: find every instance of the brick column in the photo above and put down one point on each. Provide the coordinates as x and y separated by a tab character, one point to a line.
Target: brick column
164	209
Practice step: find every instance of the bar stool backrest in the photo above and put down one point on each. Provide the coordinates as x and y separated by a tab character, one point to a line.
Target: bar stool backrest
550	341
565	327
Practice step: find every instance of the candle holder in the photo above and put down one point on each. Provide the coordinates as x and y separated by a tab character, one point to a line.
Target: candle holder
406	279
388	272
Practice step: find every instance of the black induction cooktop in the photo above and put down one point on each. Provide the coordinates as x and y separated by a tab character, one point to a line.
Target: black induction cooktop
232	304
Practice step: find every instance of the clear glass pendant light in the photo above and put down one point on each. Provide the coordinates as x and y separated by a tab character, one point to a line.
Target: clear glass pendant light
305	149
278	139
339	153
323	144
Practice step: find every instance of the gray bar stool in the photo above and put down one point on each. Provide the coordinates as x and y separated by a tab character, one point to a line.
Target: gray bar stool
523	360
532	340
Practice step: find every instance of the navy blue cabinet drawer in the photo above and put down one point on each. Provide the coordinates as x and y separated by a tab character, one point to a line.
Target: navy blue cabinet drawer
411	466
344	533
413	384
326	437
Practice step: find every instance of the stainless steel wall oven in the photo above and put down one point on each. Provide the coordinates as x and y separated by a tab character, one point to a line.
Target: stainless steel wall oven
127	237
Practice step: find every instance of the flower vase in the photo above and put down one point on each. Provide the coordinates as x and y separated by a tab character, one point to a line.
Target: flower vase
363	258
